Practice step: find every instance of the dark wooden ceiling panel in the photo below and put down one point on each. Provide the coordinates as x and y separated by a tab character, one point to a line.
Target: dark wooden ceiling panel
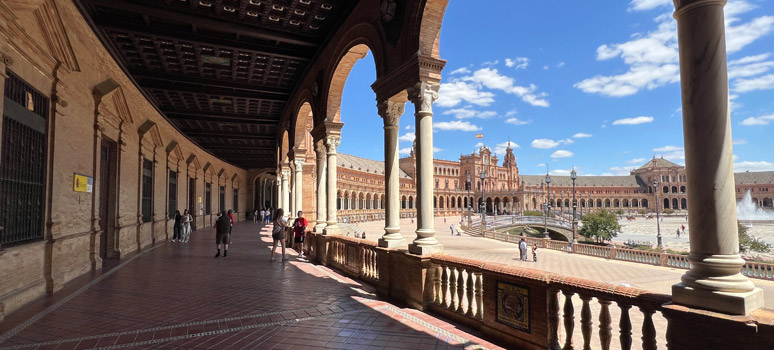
221	71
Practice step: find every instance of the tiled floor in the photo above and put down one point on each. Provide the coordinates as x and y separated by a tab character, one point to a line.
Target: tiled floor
177	295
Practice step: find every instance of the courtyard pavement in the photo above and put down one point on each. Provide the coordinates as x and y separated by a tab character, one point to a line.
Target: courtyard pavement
177	295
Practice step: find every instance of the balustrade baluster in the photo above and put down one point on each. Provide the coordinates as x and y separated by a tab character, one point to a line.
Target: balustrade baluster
605	330
460	291
625	327
569	320
553	320
437	297
453	288
648	330
479	295
444	286
586	322
469	292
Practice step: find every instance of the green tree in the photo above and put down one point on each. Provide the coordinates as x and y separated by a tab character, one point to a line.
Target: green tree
600	226
749	243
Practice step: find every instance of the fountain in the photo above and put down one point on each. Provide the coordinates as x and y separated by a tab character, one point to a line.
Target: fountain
747	210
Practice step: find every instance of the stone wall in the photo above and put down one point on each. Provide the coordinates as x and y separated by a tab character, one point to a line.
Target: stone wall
49	45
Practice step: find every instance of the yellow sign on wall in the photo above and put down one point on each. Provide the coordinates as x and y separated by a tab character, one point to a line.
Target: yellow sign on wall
82	183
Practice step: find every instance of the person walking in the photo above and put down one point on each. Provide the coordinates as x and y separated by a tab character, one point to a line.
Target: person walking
186	226
178	228
267	218
523	249
255	216
678	232
534	252
231	217
222	233
278	232
299	226
452	229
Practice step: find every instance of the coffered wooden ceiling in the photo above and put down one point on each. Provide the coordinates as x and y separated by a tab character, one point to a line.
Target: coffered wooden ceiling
221	71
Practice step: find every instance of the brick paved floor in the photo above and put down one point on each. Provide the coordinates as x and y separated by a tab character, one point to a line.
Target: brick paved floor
177	295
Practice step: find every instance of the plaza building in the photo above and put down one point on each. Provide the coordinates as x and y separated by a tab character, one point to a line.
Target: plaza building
117	114
361	193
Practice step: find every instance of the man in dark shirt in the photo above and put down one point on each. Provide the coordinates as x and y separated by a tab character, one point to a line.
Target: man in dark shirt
222	236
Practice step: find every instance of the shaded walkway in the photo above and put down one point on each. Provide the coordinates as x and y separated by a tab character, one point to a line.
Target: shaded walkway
177	295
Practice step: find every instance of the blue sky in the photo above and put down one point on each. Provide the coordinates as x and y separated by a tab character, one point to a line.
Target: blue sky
590	84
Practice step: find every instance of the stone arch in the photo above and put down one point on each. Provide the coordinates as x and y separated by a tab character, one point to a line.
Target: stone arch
666	203
682	189
616	203
607	203
301	124
429	27
282	151
403	202
684	203
356	51
644	203
675	204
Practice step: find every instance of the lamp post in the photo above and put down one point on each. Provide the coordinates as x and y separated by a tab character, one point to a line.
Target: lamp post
483	197
658	217
548	206
573	176
470	199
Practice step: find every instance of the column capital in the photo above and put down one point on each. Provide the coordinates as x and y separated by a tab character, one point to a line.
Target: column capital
320	149
683	6
332	141
285	173
325	129
299	163
391	111
423	94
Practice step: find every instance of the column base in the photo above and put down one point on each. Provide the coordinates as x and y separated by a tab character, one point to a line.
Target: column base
425	249
724	302
391	243
319	227
331	230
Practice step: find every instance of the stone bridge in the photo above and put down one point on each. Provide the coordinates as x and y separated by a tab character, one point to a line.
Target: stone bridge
558	229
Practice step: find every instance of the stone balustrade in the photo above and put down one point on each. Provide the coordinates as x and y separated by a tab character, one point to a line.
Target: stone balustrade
531	309
751	269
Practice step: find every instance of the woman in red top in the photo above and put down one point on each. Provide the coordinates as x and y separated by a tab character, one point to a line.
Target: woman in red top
299	226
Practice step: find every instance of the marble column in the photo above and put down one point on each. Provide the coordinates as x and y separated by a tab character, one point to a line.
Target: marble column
390	112
291	211
422	96
714	282
298	193
332	142
285	191
322	200
278	192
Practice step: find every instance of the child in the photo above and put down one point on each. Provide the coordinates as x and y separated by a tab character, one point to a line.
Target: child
534	252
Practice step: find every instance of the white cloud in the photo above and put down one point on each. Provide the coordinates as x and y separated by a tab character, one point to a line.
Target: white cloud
765	82
581	135
490	63
436	149
517	121
456	125
464	113
749	66
404	151
510	113
451	94
544	143
652	57
673	153
667	149
567	141
560	172
739	142
542	165
762	120
635	161
545	67
633	121
492	79
561	154
479	144
407	137
500	147
641	5
518	62
408	127
461	70
619	171
560	65
753	166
